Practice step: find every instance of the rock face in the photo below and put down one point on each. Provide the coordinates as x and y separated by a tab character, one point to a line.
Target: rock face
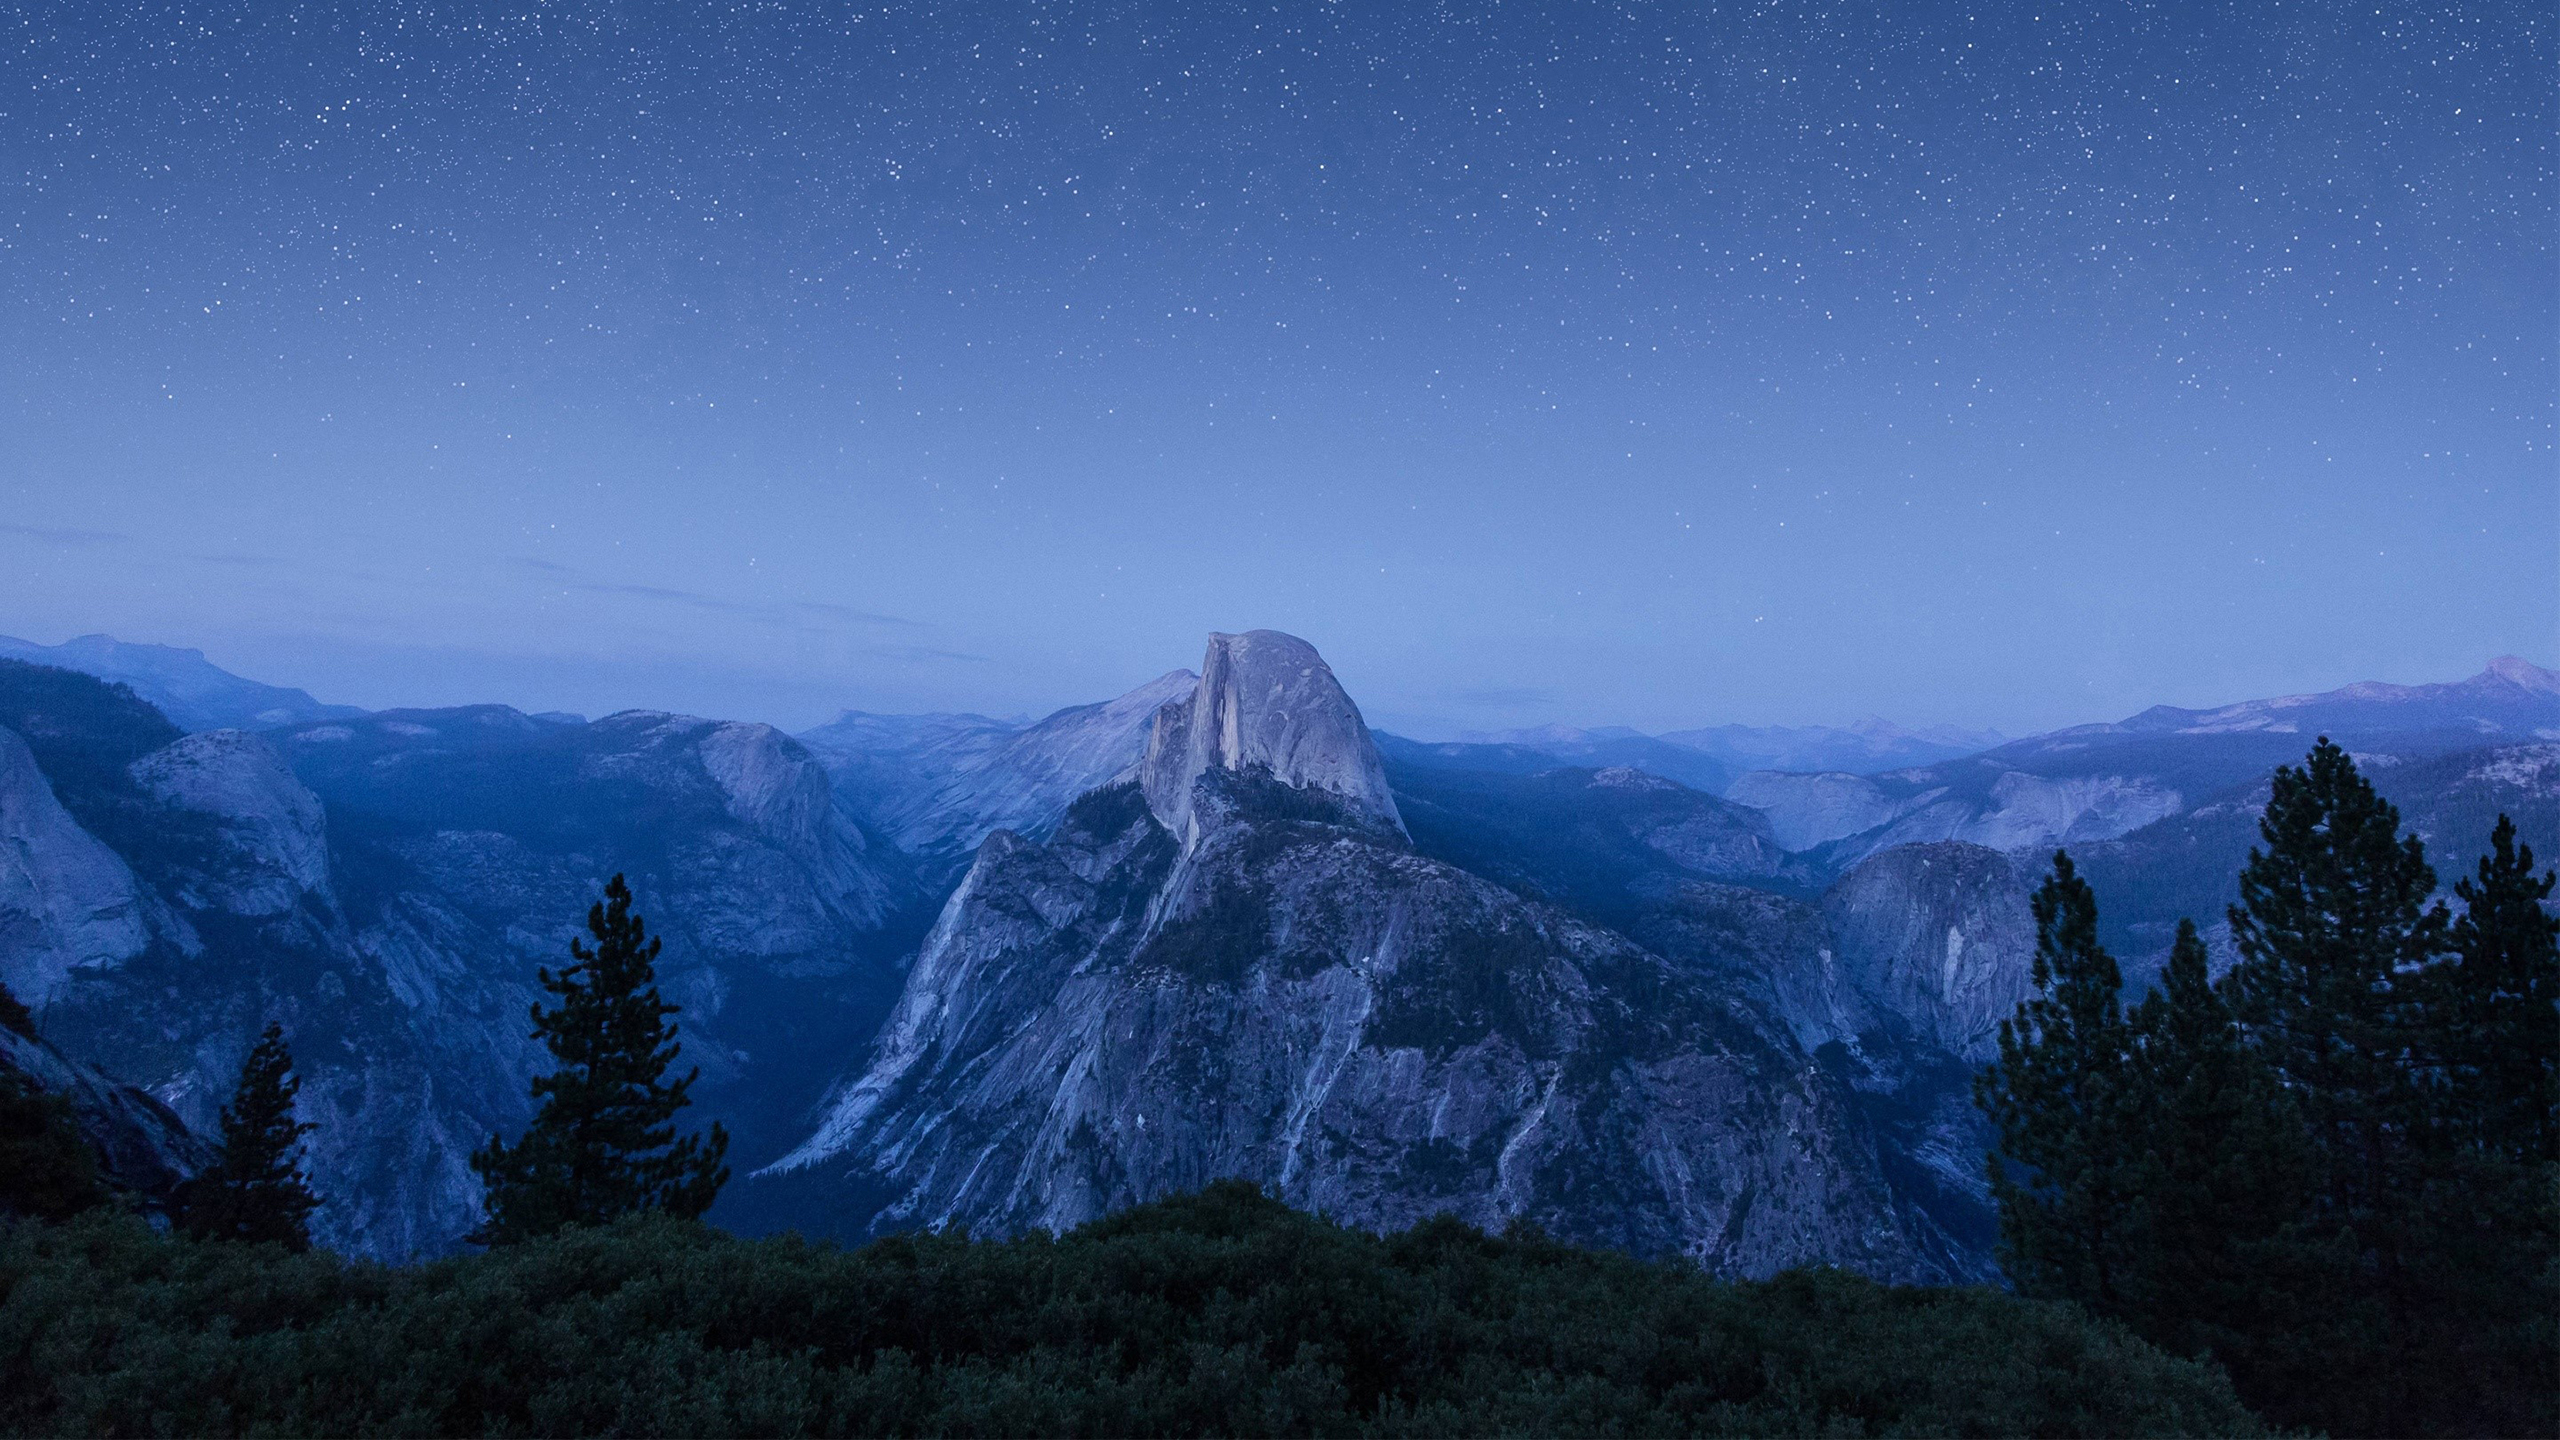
1265	700
1257	976
1936	938
386	887
68	904
273	829
937	785
142	1145
1848	817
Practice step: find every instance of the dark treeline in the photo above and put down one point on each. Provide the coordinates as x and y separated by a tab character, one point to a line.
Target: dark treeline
1223	1313
2333	1170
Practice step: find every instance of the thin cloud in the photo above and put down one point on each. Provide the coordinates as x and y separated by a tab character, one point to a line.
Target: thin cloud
776	614
63	535
867	617
673	597
246	562
921	653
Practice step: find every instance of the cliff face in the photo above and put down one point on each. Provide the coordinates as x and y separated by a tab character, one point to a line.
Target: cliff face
937	785
1935	940
68	904
1256	976
274	842
142	1145
1265	701
387	886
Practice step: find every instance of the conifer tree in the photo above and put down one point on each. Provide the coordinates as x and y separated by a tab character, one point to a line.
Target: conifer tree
2488	1220
2332	926
2221	1184
14	1014
2502	1004
2060	1098
604	1142
47	1170
254	1190
2335	993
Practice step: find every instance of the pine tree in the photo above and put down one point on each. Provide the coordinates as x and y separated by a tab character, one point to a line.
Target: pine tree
2335	989
47	1170
14	1014
2503	1006
2222	1181
2060	1097
2333	926
254	1190
604	1142
47	1167
2486	1257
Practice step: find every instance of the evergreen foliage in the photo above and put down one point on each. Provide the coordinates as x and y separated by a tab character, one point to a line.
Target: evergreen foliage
254	1192
2333	916
2503	992
2061	1099
1222	1313
47	1170
2223	1177
604	1143
2330	1170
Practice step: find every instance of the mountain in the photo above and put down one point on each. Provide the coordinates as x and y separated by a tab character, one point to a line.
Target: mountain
1214	927
1892	976
2097	782
937	785
192	691
1602	841
2512	699
1703	759
2188	865
1863	748
387	885
1605	748
1237	965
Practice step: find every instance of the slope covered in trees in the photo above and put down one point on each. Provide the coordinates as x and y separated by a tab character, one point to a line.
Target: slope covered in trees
1217	1313
2333	1170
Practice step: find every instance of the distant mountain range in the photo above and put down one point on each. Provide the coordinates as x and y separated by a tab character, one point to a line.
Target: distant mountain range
193	692
1004	973
1862	748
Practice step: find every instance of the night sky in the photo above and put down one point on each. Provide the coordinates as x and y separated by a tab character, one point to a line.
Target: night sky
1652	364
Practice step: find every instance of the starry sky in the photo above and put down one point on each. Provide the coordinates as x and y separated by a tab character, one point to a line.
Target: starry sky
1659	364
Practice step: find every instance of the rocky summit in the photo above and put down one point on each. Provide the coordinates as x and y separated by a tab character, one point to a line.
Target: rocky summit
1240	967
1265	702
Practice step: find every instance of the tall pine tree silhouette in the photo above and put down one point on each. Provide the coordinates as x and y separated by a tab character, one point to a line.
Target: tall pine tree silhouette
604	1143
2491	1217
2501	997
2221	1179
254	1190
2061	1098
2334	991
2332	925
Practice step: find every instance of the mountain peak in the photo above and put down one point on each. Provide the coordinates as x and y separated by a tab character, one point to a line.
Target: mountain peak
1266	700
2524	674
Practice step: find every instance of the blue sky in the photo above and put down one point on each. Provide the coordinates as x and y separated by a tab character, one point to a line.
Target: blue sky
1649	364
